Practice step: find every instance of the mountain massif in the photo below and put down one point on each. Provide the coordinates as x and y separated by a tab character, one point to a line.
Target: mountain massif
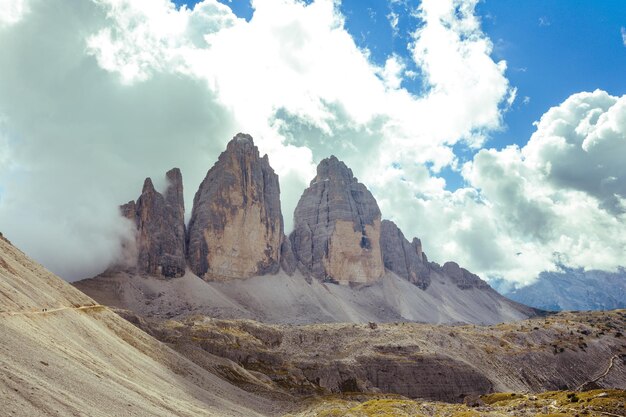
228	316
571	289
341	263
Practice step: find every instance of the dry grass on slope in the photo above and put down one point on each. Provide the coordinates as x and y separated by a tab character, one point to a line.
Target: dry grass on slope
596	403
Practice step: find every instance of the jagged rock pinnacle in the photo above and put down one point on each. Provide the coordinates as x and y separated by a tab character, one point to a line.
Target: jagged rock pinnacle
160	224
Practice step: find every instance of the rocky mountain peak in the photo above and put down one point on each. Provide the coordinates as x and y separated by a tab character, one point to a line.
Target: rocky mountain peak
241	139
236	225
160	225
174	192
148	187
332	168
463	278
337	227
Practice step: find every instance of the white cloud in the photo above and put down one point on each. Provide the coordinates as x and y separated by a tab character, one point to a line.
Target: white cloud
143	87
559	199
623	32
580	145
563	193
393	19
393	72
455	56
12	11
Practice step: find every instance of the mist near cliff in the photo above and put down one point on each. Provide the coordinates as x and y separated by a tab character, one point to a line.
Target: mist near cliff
97	95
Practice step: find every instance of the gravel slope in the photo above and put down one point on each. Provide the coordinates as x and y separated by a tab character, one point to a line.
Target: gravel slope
72	361
283	299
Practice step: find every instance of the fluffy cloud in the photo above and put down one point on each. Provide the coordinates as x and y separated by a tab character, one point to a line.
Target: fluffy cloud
559	200
95	96
78	142
562	195
12	11
580	145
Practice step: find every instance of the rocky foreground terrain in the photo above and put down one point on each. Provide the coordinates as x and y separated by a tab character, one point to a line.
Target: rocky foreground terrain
63	354
445	363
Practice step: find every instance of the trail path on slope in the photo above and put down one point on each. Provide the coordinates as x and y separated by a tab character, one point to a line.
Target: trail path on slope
605	373
52	310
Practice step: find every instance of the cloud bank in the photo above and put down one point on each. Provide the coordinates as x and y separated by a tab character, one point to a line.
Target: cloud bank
96	96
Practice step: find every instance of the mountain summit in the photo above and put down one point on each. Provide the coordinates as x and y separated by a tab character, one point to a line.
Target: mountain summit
336	233
236	226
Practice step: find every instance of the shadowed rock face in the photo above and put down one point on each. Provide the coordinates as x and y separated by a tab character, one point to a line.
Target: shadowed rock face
160	237
288	260
401	257
463	278
337	227
236	225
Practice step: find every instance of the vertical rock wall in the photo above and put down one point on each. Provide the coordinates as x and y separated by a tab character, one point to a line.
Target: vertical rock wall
236	225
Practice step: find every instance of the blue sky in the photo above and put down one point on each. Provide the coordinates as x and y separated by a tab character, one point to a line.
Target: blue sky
553	49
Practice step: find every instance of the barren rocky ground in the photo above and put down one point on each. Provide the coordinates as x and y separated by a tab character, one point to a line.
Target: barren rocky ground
63	354
436	362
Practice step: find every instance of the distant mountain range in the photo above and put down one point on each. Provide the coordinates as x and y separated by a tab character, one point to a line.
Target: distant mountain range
570	289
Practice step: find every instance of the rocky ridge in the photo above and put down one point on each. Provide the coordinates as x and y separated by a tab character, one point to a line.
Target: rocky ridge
236	230
403	258
571	289
463	278
566	351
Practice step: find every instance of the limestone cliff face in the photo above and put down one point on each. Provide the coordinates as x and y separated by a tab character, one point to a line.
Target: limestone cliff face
236	225
403	258
337	227
160	237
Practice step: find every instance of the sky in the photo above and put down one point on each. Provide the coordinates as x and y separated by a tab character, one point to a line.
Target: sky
493	130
